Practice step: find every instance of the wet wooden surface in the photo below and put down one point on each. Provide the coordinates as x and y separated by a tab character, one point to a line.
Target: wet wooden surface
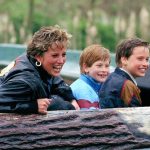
127	128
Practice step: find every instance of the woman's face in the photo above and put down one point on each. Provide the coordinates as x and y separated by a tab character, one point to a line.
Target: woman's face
53	60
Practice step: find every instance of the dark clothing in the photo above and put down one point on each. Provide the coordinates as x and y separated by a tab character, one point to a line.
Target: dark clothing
144	85
58	103
119	91
25	83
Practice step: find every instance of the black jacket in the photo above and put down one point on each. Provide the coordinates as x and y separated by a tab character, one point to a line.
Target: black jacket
144	85
25	83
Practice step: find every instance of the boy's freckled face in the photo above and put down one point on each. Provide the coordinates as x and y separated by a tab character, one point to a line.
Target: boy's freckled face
137	64
99	70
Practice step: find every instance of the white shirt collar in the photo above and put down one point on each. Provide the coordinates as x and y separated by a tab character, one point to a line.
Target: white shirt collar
130	76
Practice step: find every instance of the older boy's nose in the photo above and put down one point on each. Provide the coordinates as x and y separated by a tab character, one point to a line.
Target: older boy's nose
146	63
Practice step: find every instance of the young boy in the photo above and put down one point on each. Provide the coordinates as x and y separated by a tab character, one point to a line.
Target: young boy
94	68
120	89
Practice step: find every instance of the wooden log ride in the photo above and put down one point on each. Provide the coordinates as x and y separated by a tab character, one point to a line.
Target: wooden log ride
118	129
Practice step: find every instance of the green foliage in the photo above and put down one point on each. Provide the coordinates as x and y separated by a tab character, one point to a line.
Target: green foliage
106	36
30	15
39	21
138	33
81	35
17	22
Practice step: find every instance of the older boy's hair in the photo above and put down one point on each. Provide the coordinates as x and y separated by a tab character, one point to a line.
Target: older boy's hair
51	36
91	54
125	48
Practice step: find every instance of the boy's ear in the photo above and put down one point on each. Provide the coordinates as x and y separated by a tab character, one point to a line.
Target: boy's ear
85	68
124	61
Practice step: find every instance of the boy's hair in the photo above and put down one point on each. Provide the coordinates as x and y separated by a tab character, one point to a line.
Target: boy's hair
125	48
52	36
91	54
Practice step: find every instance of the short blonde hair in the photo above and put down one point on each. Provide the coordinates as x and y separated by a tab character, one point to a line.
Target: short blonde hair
46	37
91	54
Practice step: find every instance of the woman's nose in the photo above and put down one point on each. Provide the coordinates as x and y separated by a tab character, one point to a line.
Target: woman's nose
61	59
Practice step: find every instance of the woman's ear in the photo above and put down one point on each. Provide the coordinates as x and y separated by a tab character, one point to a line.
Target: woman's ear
38	58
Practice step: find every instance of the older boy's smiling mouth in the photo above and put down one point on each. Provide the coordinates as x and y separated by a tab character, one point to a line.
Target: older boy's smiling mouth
143	69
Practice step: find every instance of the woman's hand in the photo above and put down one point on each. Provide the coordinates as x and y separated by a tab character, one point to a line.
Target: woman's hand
43	104
75	104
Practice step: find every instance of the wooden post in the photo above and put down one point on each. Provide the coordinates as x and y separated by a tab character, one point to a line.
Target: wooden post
126	128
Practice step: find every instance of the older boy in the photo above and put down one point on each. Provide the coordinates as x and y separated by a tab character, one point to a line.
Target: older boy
120	89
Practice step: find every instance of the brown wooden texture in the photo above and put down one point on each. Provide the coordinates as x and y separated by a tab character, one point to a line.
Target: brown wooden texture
127	128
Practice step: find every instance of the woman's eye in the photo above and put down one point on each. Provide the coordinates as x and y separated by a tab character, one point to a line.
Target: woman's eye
64	55
54	56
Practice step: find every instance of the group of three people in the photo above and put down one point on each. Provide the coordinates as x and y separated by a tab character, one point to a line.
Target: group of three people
33	83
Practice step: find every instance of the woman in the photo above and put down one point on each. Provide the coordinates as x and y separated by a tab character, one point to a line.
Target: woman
33	84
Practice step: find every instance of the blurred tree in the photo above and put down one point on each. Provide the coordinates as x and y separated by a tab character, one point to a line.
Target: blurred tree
29	23
93	21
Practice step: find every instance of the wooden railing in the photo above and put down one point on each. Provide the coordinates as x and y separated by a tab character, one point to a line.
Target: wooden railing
118	129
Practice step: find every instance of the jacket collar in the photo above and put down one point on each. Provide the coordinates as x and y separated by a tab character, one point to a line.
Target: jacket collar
92	82
125	74
130	76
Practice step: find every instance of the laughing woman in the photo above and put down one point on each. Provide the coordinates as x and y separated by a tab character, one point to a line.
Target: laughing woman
33	84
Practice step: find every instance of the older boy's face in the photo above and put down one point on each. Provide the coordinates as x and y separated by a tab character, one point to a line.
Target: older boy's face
99	70
137	64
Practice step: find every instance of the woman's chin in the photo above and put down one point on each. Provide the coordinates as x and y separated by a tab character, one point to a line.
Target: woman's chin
55	74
